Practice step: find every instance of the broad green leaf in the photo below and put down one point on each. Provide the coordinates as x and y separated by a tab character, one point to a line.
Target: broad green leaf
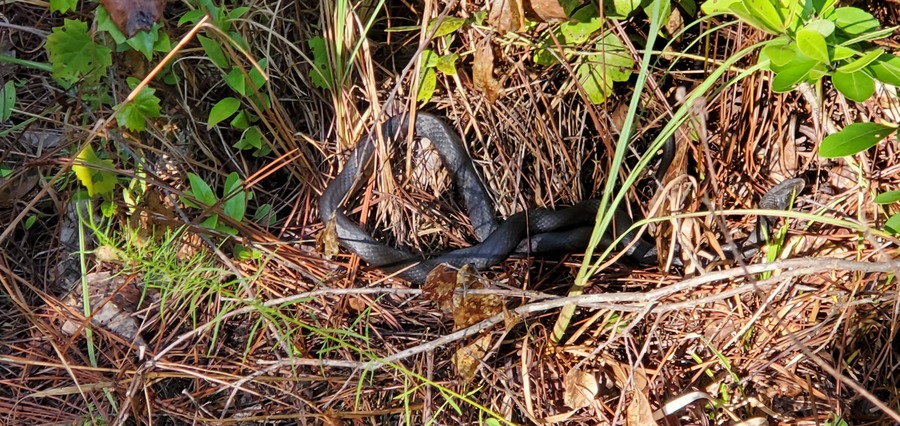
854	139
596	84
448	26
823	7
236	81
447	63
778	55
813	45
710	7
892	225
74	55
320	72
265	216
133	115
235	204
861	63
240	120
191	16
145	41
214	52
7	100
429	59
745	15
821	26
854	21
200	191
888	197
30	220
256	77
620	9
221	111
598	72
767	12
63	6
856	86
584	23
94	172
105	23
887	69
238	12
839	53
796	72
427	85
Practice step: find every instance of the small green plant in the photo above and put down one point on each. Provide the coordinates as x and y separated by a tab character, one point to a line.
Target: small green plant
816	39
608	63
892	225
234	205
7	100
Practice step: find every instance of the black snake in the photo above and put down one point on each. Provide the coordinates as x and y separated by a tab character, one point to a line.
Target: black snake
536	231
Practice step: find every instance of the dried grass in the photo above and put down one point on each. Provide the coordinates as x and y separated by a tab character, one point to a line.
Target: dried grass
296	338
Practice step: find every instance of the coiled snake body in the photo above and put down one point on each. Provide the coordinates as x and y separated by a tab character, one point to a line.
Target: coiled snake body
535	231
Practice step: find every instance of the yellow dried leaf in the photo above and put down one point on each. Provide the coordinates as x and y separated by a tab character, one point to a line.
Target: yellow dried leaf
507	15
483	71
468	358
580	389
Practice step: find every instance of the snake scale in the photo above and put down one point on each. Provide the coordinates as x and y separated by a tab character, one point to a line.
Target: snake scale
535	231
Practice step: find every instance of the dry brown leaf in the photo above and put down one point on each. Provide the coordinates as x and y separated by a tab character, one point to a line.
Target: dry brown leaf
439	287
580	388
114	300
468	358
544	10
470	309
327	240
675	23
506	15
639	411
17	186
483	71
131	16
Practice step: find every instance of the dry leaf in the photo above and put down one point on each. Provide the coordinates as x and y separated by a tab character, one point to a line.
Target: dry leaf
506	15
439	287
468	358
131	16
639	412
114	300
470	309
544	10
17	186
580	389
675	23
483	71
327	240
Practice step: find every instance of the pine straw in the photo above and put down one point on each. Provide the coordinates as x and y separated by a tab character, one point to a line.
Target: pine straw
296	336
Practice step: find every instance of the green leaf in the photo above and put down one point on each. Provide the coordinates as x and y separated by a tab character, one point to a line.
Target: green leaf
320	72
145	41
796	72
256	77
839	53
767	13
779	55
63	6
821	26
236	81
235	204
221	111
448	26
856	86
854	139
854	21
240	121
94	172
888	197
596	84
862	62
200	191
105	23
447	63
892	225
887	69
7	100
74	55
429	59
620	9
214	51
711	7
134	115
584	23
823	7
30	220
813	45
427	85
265	216
191	16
